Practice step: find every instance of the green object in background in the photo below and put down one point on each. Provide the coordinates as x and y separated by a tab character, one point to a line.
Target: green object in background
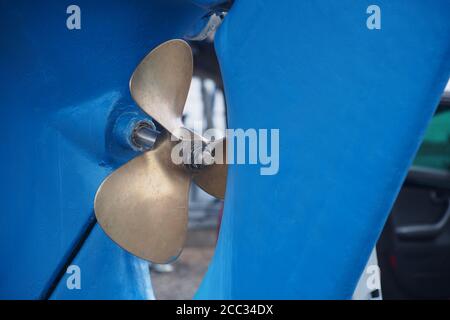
435	150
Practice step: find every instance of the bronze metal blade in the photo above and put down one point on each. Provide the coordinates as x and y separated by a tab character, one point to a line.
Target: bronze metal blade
213	178
143	206
161	82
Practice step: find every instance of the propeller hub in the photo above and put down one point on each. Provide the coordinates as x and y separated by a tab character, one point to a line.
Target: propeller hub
144	135
200	157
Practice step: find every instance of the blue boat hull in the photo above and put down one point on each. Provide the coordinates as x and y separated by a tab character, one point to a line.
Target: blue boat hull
351	105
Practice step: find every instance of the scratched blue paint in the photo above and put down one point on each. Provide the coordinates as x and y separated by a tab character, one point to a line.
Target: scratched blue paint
352	105
59	91
107	272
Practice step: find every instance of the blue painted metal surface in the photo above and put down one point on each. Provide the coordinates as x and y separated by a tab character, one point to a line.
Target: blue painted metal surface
351	105
107	272
61	90
210	4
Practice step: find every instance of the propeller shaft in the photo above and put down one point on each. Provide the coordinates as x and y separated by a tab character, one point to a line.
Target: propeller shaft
144	136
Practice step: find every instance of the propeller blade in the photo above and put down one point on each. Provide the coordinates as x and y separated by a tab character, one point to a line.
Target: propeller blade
213	178
161	82
143	206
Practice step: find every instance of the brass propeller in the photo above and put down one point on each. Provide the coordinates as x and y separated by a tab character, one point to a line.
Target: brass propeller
143	206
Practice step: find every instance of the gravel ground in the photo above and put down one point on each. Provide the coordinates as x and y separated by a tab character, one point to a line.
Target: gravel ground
189	269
